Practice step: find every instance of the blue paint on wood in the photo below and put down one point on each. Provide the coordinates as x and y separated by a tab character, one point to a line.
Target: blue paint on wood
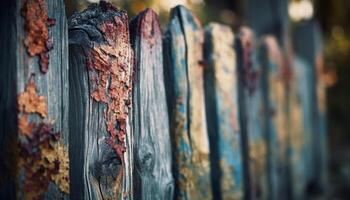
300	118
274	113
191	164
252	116
307	46
221	90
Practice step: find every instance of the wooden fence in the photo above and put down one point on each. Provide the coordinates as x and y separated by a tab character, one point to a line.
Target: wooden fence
95	107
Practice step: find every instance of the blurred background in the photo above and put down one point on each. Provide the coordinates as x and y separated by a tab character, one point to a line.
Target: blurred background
332	19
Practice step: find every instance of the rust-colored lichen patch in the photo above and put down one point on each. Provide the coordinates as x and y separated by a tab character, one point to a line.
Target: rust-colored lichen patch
109	66
30	102
61	178
41	158
24	126
34	160
36	25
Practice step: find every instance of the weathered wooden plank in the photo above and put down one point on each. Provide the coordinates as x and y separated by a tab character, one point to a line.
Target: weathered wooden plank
221	91
100	98
251	106
177	95
183	54
274	76
152	149
307	46
34	128
321	92
300	118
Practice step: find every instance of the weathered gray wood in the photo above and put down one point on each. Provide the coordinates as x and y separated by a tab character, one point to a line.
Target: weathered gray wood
20	73
221	90
100	98
184	73
252	116
152	174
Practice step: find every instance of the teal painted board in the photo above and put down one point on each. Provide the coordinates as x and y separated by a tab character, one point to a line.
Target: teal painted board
185	94
307	46
152	176
321	92
177	95
300	118
252	116
221	91
275	115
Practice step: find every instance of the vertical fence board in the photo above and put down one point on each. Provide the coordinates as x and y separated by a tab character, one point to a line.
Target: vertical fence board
300	119
275	115
307	46
100	81
321	93
186	95
152	149
177	95
35	72
252	115
222	113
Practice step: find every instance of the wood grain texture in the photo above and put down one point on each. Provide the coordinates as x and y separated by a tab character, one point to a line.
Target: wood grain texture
185	94
275	115
252	114
221	91
100	61
16	71
152	176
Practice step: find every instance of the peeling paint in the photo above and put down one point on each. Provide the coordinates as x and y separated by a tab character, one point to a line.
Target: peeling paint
36	25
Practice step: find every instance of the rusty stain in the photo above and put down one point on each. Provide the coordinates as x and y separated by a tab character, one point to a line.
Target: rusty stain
36	25
111	82
41	157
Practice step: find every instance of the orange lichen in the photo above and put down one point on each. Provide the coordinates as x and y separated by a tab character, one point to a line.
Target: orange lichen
24	126
30	102
41	157
34	160
61	178
36	25
109	64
